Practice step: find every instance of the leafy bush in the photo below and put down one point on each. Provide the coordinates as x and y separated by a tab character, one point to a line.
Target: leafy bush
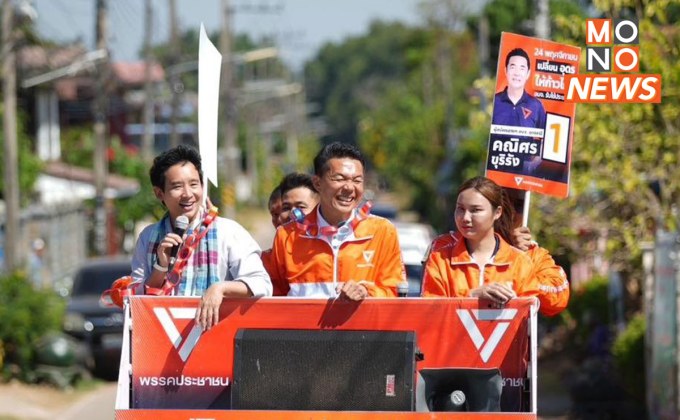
628	351
589	309
26	315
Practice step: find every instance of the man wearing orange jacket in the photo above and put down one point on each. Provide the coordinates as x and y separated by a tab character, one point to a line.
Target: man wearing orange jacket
552	286
338	250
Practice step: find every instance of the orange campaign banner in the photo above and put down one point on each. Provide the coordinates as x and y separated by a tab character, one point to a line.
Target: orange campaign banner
170	369
532	125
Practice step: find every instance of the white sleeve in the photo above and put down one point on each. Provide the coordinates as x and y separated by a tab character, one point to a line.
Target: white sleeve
243	260
140	259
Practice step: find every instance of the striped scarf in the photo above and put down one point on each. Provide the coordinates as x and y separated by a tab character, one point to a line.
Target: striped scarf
201	270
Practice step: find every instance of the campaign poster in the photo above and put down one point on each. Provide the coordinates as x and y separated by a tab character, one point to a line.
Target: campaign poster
532	126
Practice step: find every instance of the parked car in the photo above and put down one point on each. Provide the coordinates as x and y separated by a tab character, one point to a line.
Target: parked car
98	327
385	210
414	240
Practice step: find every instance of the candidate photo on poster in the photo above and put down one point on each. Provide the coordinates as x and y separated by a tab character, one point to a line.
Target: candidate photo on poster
514	106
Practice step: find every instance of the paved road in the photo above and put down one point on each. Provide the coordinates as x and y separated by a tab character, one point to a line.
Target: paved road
97	405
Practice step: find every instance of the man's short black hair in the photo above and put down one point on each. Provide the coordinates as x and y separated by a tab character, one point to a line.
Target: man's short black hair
517	52
336	150
296	180
274	196
171	157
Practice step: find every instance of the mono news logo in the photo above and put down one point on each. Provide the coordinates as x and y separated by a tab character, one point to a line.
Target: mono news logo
612	46
167	318
623	56
486	346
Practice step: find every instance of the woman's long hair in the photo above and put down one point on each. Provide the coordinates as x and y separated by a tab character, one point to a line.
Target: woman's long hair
498	197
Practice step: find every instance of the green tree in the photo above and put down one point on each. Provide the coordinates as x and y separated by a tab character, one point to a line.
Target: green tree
29	163
405	133
620	152
347	78
79	141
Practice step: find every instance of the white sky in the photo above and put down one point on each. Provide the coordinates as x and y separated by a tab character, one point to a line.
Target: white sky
300	27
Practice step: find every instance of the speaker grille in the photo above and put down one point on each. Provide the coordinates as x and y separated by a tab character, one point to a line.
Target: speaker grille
323	370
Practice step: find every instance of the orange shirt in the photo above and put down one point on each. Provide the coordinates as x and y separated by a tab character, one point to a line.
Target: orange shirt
267	262
553	286
451	271
306	264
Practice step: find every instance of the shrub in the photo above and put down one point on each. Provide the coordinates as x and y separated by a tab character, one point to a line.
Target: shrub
628	351
26	315
589	309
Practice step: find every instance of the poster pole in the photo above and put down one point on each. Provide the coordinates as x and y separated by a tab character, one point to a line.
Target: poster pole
525	211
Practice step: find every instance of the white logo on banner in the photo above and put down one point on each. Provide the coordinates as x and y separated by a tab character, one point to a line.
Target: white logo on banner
487	346
518	180
183	345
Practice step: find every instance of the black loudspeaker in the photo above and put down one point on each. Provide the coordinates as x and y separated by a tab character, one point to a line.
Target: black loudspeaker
323	370
459	390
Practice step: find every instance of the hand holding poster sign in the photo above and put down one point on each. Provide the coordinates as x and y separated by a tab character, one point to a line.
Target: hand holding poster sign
532	126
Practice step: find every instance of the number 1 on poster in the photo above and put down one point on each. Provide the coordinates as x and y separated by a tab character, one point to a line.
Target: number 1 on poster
556	139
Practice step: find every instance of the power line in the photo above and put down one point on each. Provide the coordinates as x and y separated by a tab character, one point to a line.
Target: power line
67	13
124	10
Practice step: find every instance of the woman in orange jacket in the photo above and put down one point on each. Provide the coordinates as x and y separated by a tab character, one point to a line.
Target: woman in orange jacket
478	260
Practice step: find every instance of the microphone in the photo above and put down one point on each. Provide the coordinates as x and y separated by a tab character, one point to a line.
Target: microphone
181	225
297	215
402	289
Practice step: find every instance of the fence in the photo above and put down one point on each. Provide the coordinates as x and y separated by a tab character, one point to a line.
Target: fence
63	228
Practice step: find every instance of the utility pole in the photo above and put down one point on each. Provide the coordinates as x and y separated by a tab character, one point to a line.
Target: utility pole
175	84
542	22
100	135
11	174
231	151
148	139
483	45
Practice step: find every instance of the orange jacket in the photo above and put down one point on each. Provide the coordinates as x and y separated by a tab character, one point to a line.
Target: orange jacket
268	264
450	271
553	286
304	264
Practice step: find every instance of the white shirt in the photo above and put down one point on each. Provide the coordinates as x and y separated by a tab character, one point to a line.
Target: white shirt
239	258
